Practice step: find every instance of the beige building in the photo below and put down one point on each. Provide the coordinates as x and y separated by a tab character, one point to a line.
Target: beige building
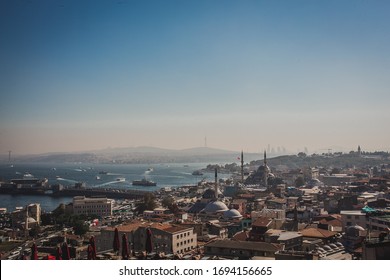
167	238
352	218
100	206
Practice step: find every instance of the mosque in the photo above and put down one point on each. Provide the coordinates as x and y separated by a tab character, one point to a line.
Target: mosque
212	203
261	176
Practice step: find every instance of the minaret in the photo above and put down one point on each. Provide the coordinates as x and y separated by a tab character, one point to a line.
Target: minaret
359	150
265	170
295	218
216	184
242	167
26	228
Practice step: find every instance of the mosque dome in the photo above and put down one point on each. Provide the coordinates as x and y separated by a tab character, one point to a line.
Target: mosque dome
210	194
232	214
215	207
31	220
264	168
354	230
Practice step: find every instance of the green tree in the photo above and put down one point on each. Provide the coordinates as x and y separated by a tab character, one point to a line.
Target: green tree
299	181
148	203
170	203
80	227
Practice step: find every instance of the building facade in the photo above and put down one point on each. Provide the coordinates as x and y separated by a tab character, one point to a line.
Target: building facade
99	206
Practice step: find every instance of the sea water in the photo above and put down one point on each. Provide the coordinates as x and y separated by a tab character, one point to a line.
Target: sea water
118	176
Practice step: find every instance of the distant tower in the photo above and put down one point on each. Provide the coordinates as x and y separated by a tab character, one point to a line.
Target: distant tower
265	170
9	156
205	142
242	167
216	184
359	150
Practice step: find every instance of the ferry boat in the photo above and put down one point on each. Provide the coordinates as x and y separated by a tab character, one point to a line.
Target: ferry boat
121	179
143	182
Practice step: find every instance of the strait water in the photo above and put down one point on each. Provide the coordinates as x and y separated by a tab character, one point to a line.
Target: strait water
165	175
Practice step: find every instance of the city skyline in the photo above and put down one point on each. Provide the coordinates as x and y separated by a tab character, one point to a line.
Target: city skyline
97	74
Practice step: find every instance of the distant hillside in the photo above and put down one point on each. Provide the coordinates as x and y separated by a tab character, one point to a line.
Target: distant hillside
142	155
337	161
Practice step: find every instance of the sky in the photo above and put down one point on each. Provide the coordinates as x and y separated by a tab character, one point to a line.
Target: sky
85	75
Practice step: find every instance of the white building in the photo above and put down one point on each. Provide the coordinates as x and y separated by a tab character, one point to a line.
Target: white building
100	206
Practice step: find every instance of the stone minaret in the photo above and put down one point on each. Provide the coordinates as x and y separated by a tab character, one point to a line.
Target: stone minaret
26	228
216	184
242	167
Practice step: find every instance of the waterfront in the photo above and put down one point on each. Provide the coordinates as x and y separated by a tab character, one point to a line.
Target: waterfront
67	174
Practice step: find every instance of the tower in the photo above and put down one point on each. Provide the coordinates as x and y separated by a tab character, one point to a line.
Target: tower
242	167
265	170
9	156
359	150
26	227
216	184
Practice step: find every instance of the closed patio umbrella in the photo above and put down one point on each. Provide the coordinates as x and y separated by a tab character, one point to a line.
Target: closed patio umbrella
93	247
148	244
125	247
65	251
116	243
34	252
58	253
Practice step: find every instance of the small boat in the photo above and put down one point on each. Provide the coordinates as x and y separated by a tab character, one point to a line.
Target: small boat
28	175
97	177
143	182
121	179
103	172
150	169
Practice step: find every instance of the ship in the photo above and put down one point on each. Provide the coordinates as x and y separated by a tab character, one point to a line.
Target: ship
121	179
197	173
143	182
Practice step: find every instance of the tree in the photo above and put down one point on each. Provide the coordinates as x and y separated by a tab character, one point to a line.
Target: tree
80	227
299	181
167	201
148	203
170	203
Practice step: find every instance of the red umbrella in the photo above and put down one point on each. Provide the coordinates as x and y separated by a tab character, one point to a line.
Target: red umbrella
34	252
58	253
93	246
116	243
65	251
148	244
125	247
50	257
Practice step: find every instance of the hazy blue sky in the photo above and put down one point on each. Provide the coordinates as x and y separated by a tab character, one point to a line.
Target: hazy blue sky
80	75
